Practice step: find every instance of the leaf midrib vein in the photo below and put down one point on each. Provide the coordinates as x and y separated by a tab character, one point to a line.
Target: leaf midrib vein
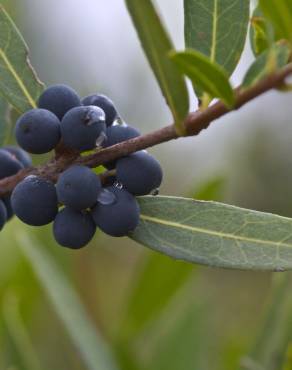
17	78
211	232
214	31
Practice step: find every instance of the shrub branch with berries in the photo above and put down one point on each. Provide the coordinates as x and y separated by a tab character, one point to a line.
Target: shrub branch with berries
88	133
79	202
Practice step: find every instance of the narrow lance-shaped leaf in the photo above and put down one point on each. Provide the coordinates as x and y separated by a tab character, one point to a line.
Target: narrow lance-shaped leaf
18	332
287	365
185	341
18	81
207	76
268	351
211	190
261	32
154	287
280	14
217	28
215	234
268	62
157	44
95	353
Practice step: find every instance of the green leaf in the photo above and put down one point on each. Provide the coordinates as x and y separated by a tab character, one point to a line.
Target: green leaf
157	283
181	347
207	76
268	351
211	190
287	365
4	111
217	28
280	14
18	81
18	332
157	44
268	62
261	33
94	351
215	234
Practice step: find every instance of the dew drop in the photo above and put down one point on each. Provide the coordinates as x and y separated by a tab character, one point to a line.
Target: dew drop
101	139
119	121
106	197
94	115
155	192
118	185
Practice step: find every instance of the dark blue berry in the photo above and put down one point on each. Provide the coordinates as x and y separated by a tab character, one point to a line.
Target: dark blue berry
3	214
105	104
78	187
82	126
21	155
140	173
73	229
9	165
34	201
38	131
118	215
59	99
118	133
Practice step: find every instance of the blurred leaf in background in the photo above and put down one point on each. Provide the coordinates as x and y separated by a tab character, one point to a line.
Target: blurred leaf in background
19	334
268	62
269	349
261	32
280	14
93	350
156	284
4	111
213	189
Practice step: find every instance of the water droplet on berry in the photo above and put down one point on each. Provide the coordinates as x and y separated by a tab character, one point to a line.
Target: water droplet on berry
118	185
106	197
101	139
155	192
94	115
118	121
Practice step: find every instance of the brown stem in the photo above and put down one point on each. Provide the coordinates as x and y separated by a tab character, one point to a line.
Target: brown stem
195	122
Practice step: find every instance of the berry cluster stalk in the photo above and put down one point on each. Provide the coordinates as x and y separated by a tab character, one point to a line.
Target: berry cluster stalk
195	122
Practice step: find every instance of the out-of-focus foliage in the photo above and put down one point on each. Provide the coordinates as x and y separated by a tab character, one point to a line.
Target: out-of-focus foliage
275	335
268	62
3	119
280	14
261	32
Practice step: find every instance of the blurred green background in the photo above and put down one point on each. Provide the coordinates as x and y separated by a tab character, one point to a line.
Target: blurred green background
154	313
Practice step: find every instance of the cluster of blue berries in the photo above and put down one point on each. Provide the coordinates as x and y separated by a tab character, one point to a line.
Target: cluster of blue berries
78	203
